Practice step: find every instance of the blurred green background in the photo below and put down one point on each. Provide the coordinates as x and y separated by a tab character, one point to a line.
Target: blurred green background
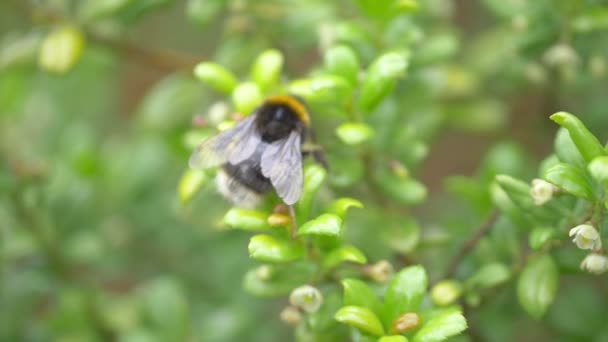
95	243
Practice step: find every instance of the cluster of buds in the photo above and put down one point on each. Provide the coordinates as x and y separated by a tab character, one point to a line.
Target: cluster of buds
586	236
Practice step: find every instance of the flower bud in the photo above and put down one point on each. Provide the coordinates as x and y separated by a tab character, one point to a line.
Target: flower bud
406	322
263	272
218	113
291	315
279	220
542	191
561	55
379	272
446	292
595	263
306	297
585	236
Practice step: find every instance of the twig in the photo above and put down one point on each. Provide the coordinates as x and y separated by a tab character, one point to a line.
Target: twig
470	244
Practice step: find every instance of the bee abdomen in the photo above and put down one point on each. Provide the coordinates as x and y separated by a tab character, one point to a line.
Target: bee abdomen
232	189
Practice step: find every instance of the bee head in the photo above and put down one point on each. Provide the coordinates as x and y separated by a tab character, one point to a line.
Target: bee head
279	116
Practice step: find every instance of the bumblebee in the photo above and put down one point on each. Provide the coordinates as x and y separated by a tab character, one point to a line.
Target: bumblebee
262	152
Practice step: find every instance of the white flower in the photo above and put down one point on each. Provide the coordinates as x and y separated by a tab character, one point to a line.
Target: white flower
561	55
306	297
291	315
595	263
542	191
585	236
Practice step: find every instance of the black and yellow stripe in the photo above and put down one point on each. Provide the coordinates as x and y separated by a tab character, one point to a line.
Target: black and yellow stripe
292	103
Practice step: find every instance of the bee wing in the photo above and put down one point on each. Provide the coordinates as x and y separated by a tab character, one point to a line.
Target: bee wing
233	145
282	163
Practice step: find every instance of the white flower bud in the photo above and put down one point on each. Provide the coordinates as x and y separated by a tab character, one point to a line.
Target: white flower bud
585	236
595	263
291	315
218	112
306	297
379	272
561	55
542	191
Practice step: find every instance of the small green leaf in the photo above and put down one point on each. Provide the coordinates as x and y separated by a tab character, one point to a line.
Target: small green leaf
570	179
245	219
61	49
342	61
203	11
354	133
314	176
518	191
537	285
565	149
246	97
266	70
381	78
489	275
216	76
344	253
585	141
591	19
403	189
361	318
358	293
326	224
393	338
599	169
270	249
540	236
405	292
341	205
446	292
190	183
442	326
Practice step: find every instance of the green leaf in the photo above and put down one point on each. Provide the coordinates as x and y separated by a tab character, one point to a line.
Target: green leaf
314	176
565	149
246	97
358	293
245	219
190	183
537	285
489	275
518	191
344	253
270	249
442	326
446	292
216	76
598	168
61	49
570	179
540	236
585	141
203	11
405	292
361	318
591	19
393	338
354	133
381	78
266	70
403	189
341	205
342	61
326	224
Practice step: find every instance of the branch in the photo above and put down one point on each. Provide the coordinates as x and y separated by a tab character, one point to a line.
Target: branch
470	245
166	61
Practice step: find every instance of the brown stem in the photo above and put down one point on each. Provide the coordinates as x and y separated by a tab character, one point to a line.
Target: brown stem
165	61
470	244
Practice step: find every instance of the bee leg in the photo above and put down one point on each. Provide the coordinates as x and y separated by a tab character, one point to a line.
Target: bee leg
294	223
